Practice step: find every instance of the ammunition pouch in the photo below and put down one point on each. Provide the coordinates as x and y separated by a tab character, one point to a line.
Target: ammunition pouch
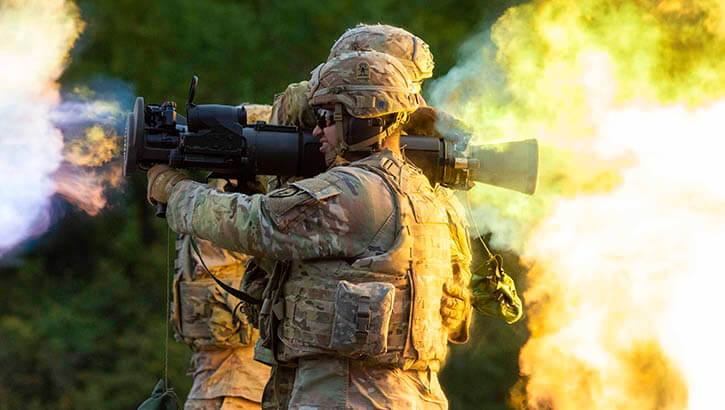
362	318
205	319
254	282
272	310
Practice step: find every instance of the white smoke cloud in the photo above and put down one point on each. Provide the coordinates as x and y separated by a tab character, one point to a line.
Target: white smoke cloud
35	164
36	38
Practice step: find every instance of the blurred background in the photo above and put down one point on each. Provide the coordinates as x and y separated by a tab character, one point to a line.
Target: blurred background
83	306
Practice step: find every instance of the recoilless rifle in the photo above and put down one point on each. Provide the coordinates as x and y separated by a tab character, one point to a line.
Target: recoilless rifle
219	139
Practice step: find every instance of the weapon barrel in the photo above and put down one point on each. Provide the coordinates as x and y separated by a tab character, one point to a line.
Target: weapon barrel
222	142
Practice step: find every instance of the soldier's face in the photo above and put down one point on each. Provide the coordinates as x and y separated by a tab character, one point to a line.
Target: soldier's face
328	138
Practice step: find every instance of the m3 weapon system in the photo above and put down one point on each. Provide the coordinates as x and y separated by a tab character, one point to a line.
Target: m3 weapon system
217	138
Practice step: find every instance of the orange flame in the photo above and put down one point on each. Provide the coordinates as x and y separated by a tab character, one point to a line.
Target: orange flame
96	148
86	187
80	180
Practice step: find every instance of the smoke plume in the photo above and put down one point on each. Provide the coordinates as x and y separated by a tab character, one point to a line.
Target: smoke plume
47	145
627	100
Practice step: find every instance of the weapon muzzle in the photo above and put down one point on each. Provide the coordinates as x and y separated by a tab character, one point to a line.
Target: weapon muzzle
134	122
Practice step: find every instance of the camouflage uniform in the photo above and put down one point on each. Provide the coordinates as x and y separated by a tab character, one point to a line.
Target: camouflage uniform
494	292
321	225
367	250
208	319
364	290
292	108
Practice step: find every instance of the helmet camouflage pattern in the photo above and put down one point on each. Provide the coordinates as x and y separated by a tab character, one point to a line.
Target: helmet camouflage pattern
367	83
412	52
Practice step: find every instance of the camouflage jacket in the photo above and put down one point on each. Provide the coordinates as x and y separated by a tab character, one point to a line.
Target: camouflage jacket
286	224
335	216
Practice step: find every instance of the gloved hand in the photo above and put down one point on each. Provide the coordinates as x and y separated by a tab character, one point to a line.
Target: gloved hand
162	180
454	305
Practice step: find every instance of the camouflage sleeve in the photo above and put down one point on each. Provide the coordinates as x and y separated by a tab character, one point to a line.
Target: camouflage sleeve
291	107
257	112
492	292
326	216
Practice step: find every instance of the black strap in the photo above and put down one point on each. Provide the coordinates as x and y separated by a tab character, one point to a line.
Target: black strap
281	271
234	292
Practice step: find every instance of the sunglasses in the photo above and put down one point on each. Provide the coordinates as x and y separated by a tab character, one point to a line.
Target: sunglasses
325	118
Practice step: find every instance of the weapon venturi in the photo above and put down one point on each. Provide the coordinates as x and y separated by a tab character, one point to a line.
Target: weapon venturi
512	165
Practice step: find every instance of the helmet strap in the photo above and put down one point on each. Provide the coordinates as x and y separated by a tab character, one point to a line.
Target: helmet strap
371	144
339	130
376	130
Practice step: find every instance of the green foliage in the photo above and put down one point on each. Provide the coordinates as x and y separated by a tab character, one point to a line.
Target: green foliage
83	319
480	373
248	51
82	313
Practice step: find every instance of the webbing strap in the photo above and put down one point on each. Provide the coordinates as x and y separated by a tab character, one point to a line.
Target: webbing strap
234	292
339	130
492	258
364	144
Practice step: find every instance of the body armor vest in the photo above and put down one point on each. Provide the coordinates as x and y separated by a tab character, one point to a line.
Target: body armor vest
382	307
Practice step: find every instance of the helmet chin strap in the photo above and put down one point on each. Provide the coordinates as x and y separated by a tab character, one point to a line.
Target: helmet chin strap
369	144
339	130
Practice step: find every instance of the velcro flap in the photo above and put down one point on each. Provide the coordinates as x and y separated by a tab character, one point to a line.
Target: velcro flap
319	188
362	318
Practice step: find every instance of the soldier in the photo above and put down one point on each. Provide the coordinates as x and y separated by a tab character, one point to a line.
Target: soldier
493	291
365	249
494	294
209	320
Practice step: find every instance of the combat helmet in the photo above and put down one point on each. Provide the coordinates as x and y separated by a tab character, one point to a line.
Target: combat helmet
374	89
412	52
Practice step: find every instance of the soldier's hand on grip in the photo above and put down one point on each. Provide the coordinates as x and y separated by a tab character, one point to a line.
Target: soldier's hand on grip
454	305
161	180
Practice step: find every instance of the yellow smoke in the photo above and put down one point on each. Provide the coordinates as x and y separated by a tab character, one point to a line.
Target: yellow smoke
627	99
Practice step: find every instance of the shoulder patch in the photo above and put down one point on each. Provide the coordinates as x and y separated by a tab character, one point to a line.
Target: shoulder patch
284	192
281	203
320	188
